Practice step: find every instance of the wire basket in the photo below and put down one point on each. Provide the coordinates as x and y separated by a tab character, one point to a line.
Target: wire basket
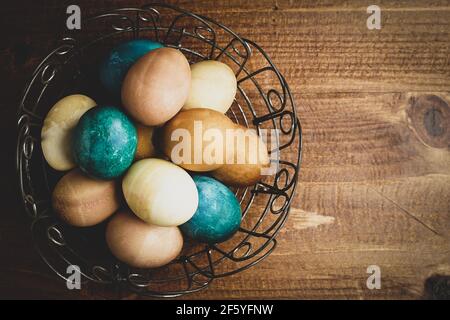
263	101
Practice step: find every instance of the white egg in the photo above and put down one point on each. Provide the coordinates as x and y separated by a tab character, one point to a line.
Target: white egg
213	86
160	193
57	130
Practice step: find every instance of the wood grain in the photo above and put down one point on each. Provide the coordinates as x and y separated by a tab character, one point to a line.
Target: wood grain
375	180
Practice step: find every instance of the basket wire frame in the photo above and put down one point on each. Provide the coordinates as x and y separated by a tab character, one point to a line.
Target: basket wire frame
260	87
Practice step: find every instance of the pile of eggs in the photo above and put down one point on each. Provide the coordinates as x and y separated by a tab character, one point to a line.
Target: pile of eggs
118	157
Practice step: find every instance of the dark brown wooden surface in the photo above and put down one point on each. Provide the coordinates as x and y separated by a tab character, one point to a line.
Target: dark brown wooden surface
375	180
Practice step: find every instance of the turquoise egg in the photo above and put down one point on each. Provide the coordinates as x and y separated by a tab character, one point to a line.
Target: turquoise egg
218	215
104	142
115	66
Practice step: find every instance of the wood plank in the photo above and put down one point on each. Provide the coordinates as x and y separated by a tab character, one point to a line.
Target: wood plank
331	50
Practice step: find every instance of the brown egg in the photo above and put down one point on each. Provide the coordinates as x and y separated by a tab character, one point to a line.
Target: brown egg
83	201
245	160
145	148
156	86
191	152
140	244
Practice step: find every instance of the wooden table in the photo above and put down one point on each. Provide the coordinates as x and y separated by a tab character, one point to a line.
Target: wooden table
375	182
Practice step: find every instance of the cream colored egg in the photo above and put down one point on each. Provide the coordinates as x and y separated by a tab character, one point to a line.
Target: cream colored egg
140	244
160	193
57	130
213	86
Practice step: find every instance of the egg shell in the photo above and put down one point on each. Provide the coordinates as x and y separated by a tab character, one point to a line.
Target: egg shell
119	60
218	215
157	86
56	133
104	142
187	120
83	201
142	245
145	148
213	86
244	161
160	192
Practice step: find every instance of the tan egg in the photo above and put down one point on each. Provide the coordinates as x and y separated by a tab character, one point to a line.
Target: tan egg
185	139
157	86
57	130
160	193
245	159
213	86
83	201
145	148
142	245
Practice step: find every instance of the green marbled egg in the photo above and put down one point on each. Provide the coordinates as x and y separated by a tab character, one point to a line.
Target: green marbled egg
104	142
218	214
116	65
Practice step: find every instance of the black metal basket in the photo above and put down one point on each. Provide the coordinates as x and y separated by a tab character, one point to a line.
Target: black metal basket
263	101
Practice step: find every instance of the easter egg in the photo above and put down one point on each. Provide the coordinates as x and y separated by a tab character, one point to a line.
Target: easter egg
56	133
83	201
119	60
145	148
245	160
194	139
156	86
142	245
160	192
213	86
218	215
104	142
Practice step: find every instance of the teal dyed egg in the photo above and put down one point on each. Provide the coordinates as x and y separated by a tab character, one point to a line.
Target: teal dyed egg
104	142
218	215
116	64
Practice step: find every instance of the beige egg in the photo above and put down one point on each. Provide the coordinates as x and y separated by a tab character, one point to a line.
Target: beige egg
160	193
157	86
142	245
185	141
145	148
57	130
213	86
245	160
83	201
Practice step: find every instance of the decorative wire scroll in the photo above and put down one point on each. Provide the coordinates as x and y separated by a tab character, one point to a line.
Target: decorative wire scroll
263	101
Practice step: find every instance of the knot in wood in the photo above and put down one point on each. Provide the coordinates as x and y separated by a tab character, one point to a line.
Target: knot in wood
429	116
